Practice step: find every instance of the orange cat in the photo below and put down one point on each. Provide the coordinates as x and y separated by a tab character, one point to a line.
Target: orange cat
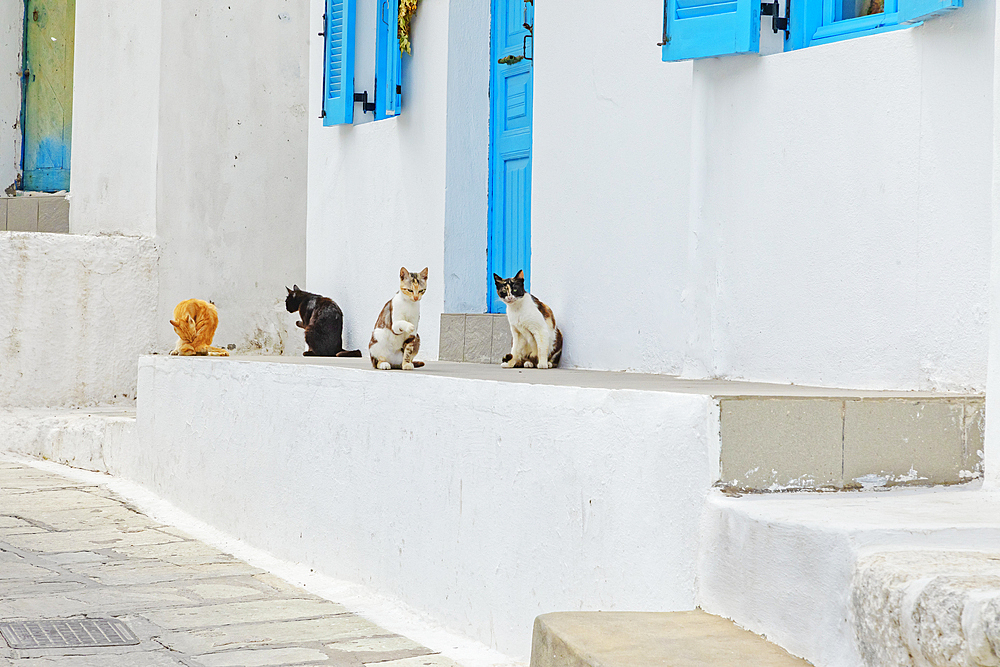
195	322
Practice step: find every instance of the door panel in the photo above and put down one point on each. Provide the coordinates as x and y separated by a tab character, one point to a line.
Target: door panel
510	146
48	93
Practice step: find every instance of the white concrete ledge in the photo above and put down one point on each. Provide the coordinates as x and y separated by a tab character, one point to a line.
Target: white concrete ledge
782	565
479	502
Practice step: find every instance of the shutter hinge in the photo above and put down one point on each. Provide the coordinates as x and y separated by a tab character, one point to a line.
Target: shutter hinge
323	34
777	22
366	106
666	37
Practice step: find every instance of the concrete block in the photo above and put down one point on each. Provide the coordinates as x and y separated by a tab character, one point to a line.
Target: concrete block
671	639
3	213
22	214
972	451
779	443
478	338
451	345
53	215
889	442
501	338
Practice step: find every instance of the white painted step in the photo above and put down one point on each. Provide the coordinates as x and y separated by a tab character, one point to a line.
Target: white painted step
785	565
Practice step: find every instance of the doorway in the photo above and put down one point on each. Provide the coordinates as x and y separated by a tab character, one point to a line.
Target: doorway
47	94
509	244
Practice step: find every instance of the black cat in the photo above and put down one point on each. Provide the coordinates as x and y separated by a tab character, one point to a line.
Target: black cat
323	321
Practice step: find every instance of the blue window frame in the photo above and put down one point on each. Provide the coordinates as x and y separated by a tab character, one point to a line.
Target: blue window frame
388	62
707	28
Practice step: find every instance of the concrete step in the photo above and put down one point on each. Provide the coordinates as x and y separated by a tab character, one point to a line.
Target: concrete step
891	579
648	639
35	212
87	438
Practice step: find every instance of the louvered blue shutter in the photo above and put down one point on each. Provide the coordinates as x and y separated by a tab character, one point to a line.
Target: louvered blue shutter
388	61
705	28
338	95
913	11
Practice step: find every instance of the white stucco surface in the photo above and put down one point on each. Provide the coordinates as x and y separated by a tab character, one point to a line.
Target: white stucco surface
820	217
231	164
782	565
116	100
991	473
377	189
11	38
518	500
75	314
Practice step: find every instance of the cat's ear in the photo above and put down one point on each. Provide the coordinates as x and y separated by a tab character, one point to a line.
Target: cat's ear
174	323
520	275
289	291
423	274
295	288
402	272
497	279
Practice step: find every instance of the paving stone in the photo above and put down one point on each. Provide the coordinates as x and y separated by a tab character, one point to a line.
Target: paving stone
773	443
152	571
86	540
269	634
90	601
451	346
15	570
223	591
433	660
107	516
383	643
478	338
264	657
41	502
244	612
177	553
13	522
137	659
891	442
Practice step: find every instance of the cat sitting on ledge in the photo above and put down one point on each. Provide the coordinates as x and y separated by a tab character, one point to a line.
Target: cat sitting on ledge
536	339
195	322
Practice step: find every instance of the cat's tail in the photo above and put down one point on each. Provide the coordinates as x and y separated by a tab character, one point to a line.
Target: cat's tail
349	353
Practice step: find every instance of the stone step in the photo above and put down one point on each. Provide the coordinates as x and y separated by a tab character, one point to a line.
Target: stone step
849	579
647	639
87	438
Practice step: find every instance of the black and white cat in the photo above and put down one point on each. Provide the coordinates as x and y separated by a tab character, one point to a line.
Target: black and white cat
323	322
395	340
536	339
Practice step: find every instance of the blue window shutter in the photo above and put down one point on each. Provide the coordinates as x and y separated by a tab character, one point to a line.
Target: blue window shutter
914	11
388	61
338	94
706	28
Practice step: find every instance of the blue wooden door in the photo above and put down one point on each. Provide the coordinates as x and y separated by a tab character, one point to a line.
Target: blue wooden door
47	120
509	248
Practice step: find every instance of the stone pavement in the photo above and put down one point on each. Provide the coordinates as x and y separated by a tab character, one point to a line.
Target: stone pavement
74	550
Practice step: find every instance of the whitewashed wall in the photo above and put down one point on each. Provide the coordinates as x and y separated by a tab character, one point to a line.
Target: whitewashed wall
75	314
116	100
820	217
408	191
11	36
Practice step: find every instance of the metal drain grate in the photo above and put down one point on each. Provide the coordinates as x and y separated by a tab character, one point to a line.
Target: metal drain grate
67	633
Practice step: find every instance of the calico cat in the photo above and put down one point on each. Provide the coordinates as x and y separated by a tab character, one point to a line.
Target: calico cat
536	339
323	321
395	341
195	322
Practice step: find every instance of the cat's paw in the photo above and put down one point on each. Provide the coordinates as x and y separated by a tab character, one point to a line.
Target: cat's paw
544	364
503	364
384	366
406	327
407	366
528	364
173	353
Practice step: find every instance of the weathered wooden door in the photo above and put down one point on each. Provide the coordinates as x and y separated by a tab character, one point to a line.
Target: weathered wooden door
509	248
47	115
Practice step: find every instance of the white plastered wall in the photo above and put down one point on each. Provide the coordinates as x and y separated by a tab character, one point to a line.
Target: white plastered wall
11	39
991	464
817	217
116	99
408	191
231	164
75	314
